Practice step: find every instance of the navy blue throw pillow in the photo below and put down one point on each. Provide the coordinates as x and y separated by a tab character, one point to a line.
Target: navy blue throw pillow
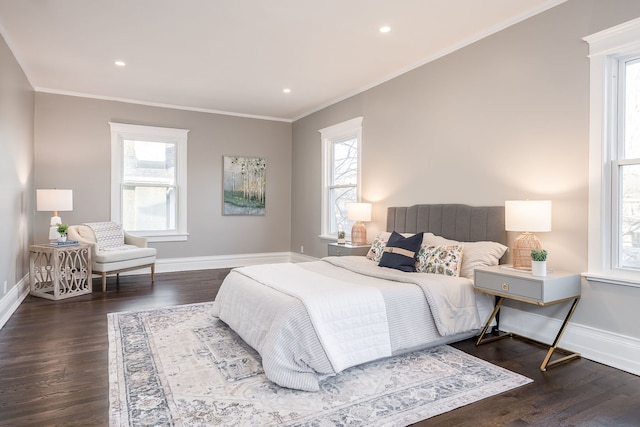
400	252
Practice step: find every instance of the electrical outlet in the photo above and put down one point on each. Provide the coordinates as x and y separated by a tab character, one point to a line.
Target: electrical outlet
301	249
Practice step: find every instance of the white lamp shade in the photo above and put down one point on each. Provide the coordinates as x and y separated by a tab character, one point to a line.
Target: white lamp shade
528	215
54	200
359	211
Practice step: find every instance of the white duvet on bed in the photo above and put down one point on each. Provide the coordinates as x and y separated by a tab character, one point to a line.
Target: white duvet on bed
421	310
350	320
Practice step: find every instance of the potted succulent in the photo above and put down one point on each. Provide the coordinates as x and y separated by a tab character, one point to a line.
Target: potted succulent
539	262
341	237
62	231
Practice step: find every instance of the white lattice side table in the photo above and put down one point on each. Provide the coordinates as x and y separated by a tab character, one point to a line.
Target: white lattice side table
58	272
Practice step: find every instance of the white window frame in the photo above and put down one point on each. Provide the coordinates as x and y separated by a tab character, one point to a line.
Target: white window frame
340	131
606	49
121	132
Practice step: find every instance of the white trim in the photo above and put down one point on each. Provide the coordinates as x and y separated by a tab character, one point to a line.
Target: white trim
605	47
166	265
121	131
618	280
159	105
12	299
172	265
296	257
615	350
178	237
341	130
621	39
327	237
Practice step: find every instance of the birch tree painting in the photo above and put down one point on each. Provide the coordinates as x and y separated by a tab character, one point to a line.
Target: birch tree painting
244	185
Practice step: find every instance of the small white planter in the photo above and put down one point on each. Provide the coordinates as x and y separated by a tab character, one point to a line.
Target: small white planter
539	268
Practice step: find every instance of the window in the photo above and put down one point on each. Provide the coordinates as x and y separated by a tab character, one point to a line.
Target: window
614	155
341	145
625	167
149	181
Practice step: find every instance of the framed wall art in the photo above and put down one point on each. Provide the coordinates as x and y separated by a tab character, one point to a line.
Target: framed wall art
244	185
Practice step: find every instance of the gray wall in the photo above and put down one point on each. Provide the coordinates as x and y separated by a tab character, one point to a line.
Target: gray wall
16	171
72	150
504	118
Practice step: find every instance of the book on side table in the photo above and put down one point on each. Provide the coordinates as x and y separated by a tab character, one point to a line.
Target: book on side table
65	243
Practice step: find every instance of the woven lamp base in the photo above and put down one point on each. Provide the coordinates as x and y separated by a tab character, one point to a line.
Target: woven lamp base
358	234
522	247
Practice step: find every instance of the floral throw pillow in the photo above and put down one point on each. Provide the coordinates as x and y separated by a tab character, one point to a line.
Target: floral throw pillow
439	260
377	248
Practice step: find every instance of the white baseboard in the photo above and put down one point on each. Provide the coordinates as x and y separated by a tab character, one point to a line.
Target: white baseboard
12	299
619	351
296	257
171	265
168	265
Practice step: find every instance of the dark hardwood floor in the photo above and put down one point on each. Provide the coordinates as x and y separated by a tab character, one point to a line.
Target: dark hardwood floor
53	365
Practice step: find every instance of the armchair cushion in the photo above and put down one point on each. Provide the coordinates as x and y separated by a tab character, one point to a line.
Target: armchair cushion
123	253
107	234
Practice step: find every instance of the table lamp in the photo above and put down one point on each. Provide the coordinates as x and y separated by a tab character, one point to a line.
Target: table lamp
54	200
526	216
359	212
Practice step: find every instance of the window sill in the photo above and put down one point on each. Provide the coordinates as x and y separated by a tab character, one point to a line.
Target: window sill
152	238
612	280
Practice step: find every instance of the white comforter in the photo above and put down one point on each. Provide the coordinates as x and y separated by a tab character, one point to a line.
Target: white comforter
281	311
352	328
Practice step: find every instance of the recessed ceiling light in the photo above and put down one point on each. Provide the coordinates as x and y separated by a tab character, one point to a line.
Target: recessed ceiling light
120	63
286	90
385	29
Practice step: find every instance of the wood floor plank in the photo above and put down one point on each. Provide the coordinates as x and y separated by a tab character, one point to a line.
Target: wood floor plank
54	355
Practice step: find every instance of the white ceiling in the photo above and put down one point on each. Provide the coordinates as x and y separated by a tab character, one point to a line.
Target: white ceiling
237	56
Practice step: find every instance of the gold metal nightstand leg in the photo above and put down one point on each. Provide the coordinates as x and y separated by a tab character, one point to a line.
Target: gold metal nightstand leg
481	338
554	346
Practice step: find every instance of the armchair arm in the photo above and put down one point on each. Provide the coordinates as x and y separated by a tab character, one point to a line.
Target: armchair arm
75	233
138	241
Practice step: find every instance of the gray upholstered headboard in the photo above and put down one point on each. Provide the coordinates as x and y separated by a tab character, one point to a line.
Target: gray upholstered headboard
457	222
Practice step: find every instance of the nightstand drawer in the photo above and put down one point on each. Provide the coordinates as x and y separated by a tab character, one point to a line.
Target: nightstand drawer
509	285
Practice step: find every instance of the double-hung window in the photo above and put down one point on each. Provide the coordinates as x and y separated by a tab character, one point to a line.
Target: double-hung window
625	166
341	146
614	155
149	180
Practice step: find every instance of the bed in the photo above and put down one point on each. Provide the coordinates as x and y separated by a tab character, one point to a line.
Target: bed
315	319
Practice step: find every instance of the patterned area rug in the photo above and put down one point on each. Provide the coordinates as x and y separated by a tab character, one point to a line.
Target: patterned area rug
181	366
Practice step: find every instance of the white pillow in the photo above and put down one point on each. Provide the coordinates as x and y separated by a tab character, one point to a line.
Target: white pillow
476	254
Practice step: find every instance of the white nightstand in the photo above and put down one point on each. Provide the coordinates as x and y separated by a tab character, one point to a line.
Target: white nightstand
336	249
505	282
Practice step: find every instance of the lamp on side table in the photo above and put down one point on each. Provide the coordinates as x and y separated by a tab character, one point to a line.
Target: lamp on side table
526	216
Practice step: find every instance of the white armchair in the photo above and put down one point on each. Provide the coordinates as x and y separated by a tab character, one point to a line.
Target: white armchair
113	250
